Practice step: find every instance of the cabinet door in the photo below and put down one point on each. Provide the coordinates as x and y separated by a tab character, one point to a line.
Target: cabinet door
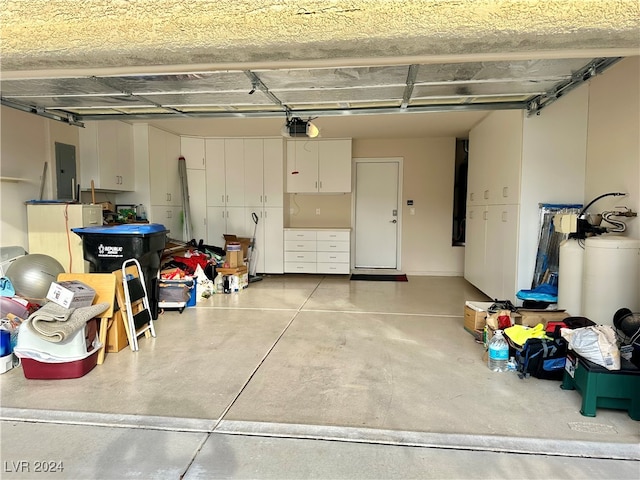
501	251
174	186
475	243
254	172
216	226
273	248
234	172
273	173
214	154
88	154
158	168
197	204
108	156
170	217
126	165
192	149
237	223
302	166
506	176
334	173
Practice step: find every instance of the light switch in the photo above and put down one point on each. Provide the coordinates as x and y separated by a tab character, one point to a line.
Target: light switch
412	211
317	211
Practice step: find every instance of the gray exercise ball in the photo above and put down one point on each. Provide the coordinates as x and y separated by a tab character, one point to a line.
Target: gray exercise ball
31	275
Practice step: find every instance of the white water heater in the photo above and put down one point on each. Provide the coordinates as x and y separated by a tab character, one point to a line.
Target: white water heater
570	270
611	277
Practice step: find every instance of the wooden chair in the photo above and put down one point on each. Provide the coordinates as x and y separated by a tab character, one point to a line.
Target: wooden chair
104	285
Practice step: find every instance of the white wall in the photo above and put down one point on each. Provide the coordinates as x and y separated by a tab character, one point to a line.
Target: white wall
613	146
27	143
554	146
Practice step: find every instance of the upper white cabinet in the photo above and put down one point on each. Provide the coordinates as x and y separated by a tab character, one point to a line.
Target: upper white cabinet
164	177
192	149
263	179
319	166
106	156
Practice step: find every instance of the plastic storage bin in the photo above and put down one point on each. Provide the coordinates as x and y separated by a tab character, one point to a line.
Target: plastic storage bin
73	348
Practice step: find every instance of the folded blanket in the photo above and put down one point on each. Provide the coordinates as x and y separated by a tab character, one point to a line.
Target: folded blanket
55	330
51	312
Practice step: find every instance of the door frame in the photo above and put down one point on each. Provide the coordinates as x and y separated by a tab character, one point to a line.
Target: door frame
399	161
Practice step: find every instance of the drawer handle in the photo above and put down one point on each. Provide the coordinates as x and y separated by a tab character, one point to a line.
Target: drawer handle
332	257
299	245
299	256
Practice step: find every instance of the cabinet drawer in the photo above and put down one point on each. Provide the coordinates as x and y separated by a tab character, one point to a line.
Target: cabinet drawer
91	216
299	235
331	246
333	257
299	246
299	267
338	268
333	236
300	257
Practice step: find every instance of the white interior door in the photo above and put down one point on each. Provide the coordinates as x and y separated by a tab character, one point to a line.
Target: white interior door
377	190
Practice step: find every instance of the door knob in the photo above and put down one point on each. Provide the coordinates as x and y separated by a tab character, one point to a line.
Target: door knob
393	221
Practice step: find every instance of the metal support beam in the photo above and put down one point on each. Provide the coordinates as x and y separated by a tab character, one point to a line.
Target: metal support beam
408	90
64	117
596	67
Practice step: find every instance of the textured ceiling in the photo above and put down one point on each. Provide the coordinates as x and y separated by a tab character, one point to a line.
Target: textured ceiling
89	58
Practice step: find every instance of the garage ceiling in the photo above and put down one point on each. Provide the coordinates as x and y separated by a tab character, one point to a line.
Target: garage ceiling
153	59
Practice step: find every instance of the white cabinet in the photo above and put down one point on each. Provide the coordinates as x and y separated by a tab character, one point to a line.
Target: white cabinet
245	176
192	149
333	251
268	255
197	203
319	166
49	231
516	163
317	251
164	177
495	158
106	156
170	217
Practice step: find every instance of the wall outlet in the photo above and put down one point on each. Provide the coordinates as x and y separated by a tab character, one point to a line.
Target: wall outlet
317	211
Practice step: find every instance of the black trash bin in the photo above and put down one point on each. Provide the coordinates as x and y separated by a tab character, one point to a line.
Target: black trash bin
107	247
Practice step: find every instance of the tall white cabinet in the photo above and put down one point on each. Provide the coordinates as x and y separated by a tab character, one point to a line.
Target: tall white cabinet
193	151
516	163
157	185
245	176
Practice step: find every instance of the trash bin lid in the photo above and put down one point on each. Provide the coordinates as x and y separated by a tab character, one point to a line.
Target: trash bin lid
138	229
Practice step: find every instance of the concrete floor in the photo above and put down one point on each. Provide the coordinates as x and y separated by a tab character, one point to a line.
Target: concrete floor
310	377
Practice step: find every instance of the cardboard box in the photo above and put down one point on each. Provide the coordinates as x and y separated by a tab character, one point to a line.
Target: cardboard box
71	294
116	334
241	272
244	241
473	319
234	259
531	318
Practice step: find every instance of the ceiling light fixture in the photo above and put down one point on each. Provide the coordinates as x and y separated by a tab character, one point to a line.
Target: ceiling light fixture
296	127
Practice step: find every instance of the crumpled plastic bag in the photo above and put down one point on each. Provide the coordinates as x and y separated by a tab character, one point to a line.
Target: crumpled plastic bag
6	287
597	344
204	286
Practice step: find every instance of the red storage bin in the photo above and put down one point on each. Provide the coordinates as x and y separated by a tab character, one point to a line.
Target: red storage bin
36	370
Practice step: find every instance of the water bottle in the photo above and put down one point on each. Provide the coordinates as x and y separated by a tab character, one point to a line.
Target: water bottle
498	353
218	283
